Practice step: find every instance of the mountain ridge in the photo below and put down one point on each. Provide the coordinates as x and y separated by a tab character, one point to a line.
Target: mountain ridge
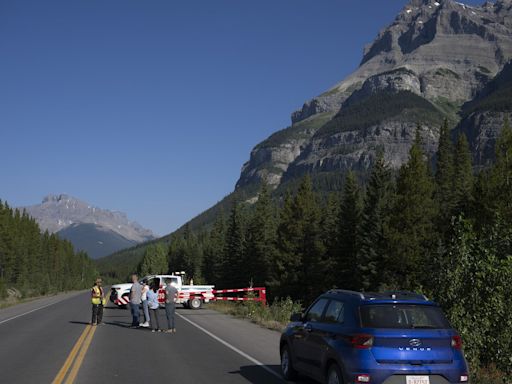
77	220
442	51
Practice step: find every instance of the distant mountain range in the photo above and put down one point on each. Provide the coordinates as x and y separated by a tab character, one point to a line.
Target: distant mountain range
97	231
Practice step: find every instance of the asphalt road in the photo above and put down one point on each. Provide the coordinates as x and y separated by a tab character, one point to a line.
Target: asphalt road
49	340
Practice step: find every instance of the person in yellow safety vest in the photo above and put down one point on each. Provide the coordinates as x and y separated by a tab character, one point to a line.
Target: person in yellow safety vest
98	301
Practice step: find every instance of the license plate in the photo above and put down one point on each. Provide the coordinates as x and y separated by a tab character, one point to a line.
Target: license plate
417	380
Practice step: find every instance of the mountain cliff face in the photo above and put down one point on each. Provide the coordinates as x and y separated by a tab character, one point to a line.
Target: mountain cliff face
431	63
94	230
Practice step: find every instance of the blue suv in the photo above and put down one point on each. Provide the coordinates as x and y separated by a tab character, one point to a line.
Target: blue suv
390	338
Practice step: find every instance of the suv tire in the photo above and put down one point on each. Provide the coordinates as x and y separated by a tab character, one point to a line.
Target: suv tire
289	373
334	375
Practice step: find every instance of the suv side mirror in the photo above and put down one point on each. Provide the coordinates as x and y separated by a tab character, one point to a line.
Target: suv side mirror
296	317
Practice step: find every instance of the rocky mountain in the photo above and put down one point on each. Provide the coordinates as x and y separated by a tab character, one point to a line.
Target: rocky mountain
435	60
92	229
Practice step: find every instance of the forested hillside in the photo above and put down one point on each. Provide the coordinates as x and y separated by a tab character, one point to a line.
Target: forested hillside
36	263
446	233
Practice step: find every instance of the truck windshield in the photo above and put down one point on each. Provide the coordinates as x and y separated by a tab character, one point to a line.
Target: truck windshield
403	316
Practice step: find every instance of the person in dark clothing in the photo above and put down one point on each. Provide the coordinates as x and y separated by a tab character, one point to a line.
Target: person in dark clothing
171	295
98	301
135	300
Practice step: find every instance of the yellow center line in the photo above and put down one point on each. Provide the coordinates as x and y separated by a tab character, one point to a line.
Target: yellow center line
80	359
64	370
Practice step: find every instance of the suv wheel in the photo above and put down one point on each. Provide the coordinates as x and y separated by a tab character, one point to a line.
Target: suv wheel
289	373
334	375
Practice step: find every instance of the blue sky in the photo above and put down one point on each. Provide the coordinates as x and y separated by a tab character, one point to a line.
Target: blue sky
152	107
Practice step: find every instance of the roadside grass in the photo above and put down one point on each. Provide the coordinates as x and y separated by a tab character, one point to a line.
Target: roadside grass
274	316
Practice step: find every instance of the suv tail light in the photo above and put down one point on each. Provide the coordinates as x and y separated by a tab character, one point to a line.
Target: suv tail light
456	342
362	341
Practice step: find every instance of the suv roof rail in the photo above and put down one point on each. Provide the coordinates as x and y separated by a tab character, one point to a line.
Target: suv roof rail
346	291
396	295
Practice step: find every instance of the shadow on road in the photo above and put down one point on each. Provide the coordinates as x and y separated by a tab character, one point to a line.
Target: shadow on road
256	374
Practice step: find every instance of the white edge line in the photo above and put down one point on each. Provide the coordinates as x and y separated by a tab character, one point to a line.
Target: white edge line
33	310
232	347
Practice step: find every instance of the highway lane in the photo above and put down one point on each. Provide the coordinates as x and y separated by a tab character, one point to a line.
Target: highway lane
208	348
36	337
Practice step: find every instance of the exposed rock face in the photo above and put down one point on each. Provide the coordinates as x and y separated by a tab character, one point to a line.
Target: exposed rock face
271	158
482	140
57	212
440	53
485	115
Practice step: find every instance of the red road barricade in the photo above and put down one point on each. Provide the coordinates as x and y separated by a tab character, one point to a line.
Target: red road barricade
218	295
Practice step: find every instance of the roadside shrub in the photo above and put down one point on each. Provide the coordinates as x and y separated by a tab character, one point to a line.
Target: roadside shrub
475	291
489	375
3	289
274	316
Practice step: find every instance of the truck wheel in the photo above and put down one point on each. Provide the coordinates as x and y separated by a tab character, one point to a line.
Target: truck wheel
195	303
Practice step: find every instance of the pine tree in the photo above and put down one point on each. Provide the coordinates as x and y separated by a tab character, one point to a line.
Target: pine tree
234	270
330	232
412	234
348	226
500	180
300	271
261	238
286	272
445	174
154	260
310	247
214	252
374	221
463	183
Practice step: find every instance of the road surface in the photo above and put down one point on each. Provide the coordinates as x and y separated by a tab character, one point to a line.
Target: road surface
50	341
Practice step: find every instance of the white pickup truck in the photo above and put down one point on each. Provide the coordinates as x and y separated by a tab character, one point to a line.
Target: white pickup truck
190	296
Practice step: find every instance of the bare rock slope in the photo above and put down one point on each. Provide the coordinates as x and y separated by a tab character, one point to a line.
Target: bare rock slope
435	58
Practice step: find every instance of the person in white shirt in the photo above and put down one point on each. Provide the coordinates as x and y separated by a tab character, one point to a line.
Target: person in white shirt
153	307
144	298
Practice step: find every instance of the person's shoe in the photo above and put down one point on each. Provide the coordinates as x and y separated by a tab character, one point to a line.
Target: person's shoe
93	324
153	331
145	325
168	331
174	330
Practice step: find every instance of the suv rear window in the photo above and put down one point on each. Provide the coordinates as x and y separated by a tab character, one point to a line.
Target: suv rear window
403	316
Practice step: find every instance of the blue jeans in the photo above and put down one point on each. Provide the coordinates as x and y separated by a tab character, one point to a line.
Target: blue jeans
170	308
145	308
135	309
